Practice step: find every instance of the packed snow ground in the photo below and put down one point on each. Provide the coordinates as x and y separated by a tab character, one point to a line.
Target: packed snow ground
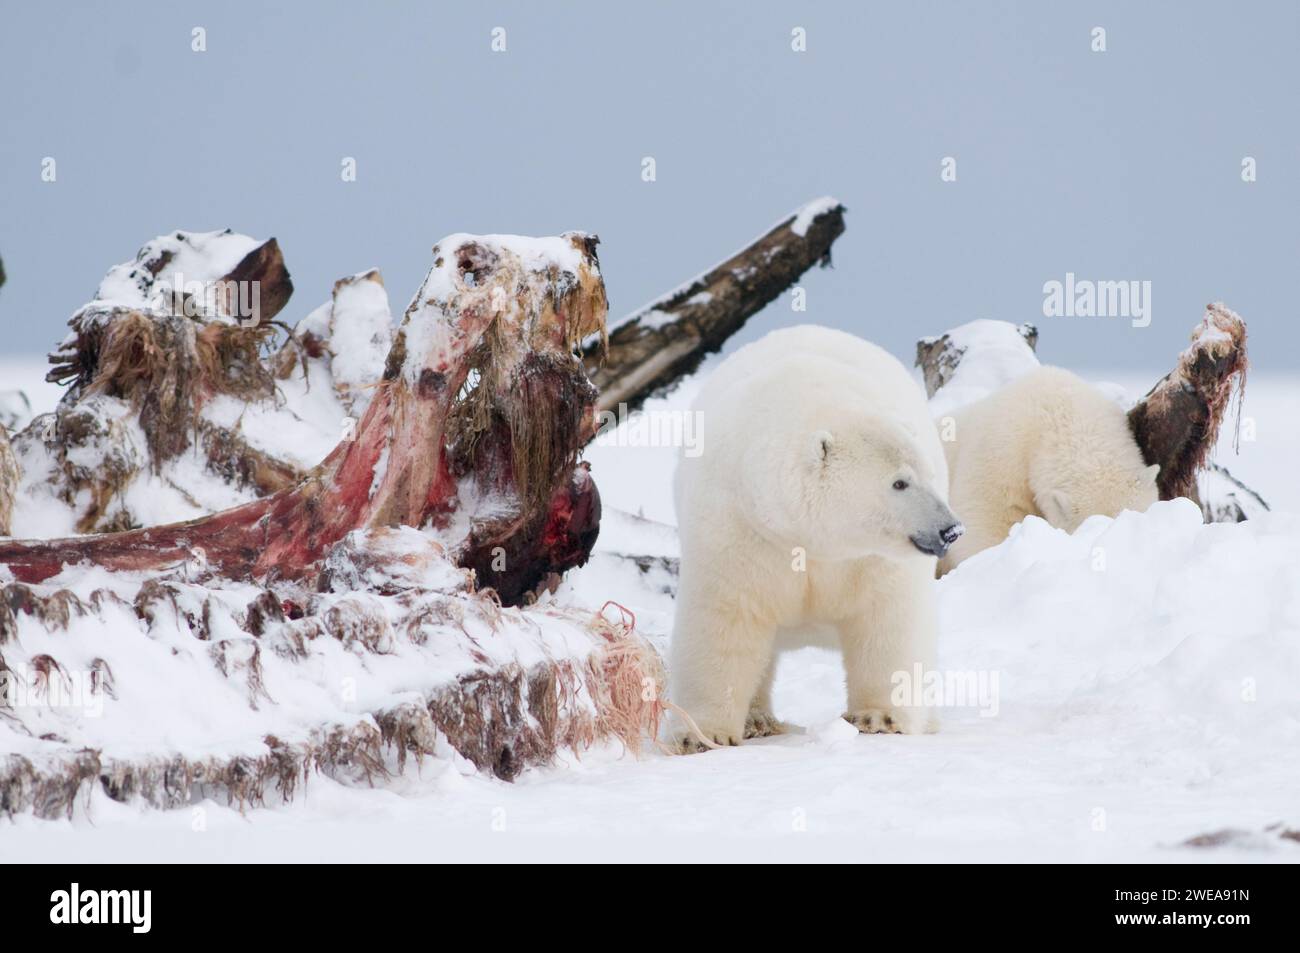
1146	693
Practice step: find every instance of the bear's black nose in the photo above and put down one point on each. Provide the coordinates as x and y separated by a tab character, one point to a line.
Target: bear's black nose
950	534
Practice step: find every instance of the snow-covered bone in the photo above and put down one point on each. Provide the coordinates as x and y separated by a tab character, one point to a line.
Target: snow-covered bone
1177	423
260	441
349	335
8	481
1225	499
176	689
179	327
481	399
652	349
181	322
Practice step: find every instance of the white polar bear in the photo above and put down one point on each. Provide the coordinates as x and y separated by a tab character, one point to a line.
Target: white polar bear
818	501
1048	444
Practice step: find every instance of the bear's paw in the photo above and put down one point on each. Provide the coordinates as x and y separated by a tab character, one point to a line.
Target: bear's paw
897	721
688	741
763	724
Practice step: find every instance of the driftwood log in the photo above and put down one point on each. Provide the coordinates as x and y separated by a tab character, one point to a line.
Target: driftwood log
652	349
481	393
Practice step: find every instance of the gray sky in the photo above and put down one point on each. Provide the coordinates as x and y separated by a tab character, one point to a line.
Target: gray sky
1123	165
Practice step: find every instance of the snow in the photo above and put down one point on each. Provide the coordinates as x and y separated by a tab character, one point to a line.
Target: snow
42	512
1146	670
24	391
15	410
356	326
305	406
635	475
993	355
381	470
359	330
189	257
656	318
804	218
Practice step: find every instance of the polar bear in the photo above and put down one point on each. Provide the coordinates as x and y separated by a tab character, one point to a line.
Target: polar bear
817	503
1048	444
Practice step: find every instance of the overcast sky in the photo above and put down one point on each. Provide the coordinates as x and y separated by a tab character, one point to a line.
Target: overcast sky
1116	165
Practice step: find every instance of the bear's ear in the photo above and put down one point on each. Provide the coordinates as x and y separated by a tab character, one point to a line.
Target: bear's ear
1151	472
819	446
1055	507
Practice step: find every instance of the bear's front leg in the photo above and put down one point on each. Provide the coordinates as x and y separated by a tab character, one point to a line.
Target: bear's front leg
893	634
717	662
760	722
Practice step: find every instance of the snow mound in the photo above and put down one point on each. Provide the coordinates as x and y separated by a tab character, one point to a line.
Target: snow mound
991	353
1149	624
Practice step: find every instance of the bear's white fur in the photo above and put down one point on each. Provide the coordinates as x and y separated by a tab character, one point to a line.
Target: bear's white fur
1048	444
820	481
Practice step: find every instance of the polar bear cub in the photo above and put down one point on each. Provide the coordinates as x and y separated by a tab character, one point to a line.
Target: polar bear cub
1048	444
819	501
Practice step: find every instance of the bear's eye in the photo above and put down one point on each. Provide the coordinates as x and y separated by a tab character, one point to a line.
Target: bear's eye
900	484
